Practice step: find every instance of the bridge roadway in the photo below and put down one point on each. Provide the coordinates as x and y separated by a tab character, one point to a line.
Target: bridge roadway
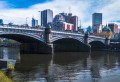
45	40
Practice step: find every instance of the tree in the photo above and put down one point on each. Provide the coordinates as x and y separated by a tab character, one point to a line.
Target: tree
89	29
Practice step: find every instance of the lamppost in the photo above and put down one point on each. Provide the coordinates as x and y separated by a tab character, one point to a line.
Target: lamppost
40	17
26	25
26	20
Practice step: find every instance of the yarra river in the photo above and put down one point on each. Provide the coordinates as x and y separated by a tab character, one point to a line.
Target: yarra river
62	67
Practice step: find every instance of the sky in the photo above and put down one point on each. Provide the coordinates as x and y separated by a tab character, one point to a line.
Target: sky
22	11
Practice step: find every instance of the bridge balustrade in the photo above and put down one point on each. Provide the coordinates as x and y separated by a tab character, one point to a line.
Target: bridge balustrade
23	29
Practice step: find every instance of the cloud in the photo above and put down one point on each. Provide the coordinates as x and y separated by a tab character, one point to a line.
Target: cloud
82	8
111	12
77	7
15	16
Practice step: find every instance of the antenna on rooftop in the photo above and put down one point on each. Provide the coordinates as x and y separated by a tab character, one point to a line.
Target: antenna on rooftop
80	24
106	23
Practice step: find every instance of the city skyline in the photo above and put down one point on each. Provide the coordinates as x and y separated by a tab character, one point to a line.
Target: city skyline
17	11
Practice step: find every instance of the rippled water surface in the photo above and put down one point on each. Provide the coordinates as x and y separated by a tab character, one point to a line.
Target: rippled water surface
62	67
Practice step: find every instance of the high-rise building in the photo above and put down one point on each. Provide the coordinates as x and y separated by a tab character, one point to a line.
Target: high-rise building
69	17
113	27
59	17
1	21
46	17
65	19
62	26
97	18
34	22
74	20
65	16
96	21
58	22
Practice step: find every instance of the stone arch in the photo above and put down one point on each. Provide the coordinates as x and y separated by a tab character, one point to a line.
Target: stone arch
22	38
29	43
66	44
69	37
97	45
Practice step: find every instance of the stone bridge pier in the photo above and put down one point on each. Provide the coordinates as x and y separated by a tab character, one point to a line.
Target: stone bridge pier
47	36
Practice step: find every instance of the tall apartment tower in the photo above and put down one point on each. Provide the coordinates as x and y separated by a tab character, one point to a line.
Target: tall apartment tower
1	21
96	21
34	22
74	21
46	17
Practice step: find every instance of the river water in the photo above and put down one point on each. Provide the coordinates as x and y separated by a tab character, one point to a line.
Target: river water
63	67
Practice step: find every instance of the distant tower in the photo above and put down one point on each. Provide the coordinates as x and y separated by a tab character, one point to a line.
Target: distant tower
74	20
96	21
46	17
34	22
1	21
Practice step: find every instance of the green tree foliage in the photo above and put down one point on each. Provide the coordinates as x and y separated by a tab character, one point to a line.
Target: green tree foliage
89	29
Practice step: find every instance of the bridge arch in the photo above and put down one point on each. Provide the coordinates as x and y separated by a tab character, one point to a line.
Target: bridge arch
22	38
68	37
66	44
29	43
97	45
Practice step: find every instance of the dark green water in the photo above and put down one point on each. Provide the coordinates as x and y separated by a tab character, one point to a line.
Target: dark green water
63	67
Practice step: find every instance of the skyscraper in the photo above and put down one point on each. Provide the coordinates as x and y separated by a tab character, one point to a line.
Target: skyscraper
34	22
62	20
1	21
46	17
96	21
74	20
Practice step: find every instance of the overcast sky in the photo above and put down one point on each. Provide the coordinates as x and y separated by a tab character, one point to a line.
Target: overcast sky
17	11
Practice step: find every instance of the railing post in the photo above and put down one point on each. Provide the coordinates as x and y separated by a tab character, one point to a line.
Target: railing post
107	41
86	38
47	34
88	48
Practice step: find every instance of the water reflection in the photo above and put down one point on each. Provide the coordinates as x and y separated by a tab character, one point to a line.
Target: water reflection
64	67
8	56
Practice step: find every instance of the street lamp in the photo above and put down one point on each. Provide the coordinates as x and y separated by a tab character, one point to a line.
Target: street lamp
39	17
26	20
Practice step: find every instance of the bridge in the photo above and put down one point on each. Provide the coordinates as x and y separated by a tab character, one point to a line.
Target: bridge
45	40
